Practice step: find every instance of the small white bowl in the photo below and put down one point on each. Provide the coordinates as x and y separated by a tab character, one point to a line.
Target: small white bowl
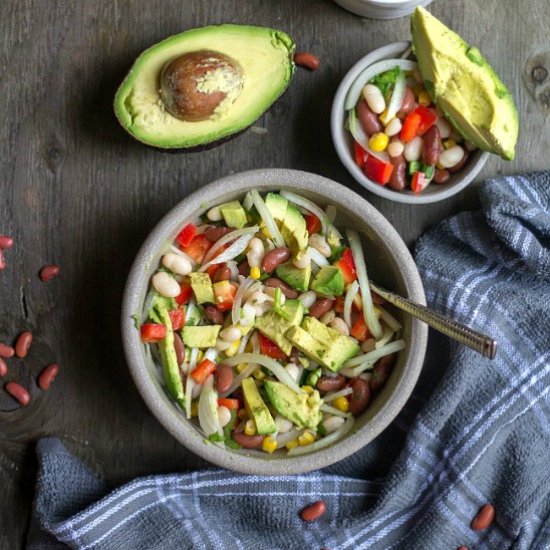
382	9
343	141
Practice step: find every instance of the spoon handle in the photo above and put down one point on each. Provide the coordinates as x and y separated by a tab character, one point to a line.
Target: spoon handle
461	333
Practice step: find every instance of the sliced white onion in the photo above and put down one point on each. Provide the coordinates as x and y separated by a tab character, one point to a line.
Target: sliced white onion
247	203
148	303
267	218
189	385
189	310
372	356
244	342
330	211
362	139
386	337
334	411
211	354
335	395
208	409
325	441
193	356
385	65
283	439
298	200
389	319
234	235
237	301
316	257
368	308
181	253
396	99
239	378
348	302
234	268
238	247
275	367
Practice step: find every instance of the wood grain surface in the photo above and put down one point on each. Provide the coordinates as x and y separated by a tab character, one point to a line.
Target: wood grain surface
77	191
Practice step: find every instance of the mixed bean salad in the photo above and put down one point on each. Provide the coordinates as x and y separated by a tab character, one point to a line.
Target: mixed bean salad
262	323
400	137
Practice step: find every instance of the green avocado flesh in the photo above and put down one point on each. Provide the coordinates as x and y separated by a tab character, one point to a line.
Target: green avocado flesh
256	408
465	86
264	55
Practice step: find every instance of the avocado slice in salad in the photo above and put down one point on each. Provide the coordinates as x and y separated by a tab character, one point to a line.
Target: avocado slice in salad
256	408
329	281
293	276
300	408
203	336
202	288
233	214
277	205
293	230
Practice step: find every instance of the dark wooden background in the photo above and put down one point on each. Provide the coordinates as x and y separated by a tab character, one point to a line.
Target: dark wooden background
77	191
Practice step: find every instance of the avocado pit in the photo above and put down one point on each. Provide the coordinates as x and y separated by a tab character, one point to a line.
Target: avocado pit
196	85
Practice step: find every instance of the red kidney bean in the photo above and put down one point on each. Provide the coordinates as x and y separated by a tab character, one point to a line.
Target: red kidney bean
274	258
359	399
213	315
179	348
248	441
223	378
313	511
398	179
294	355
5	242
369	120
320	307
3	368
17	391
48	272
307	60
214	233
484	518
441	176
244	269
47	376
285	289
459	165
22	344
2	261
432	146
381	371
408	101
6	351
223	273
330	383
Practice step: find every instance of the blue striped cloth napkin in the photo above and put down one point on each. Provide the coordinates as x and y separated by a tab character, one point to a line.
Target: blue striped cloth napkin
475	431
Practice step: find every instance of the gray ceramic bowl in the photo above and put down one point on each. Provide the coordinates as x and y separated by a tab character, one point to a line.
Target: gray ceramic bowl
343	141
389	262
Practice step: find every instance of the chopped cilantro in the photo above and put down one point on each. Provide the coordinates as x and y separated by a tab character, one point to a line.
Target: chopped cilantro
386	80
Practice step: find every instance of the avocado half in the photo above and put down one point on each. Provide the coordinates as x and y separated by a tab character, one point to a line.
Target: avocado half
465	86
264	58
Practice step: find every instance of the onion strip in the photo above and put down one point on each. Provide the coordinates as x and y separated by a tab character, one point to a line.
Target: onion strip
316	257
335	395
283	439
208	409
310	207
267	218
325	441
237	301
396	99
348	302
389	319
238	247
189	385
372	356
181	253
334	411
234	235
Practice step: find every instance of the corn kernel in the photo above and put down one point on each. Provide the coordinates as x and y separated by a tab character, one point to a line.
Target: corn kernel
194	409
448	143
308	389
269	444
266	233
242	414
255	273
424	98
241	367
379	141
292	443
342	404
233	348
250	427
200	356
259	374
384	116
307	438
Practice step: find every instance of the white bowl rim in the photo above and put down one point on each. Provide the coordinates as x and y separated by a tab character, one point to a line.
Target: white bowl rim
339	136
137	283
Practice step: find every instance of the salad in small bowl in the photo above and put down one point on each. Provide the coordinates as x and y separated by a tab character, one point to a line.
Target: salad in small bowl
259	327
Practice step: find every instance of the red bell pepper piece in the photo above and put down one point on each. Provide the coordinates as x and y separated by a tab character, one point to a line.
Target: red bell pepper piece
231	404
212	269
360	154
411	124
197	248
185	294
177	316
427	119
269	348
203	370
151	333
347	266
377	170
360	330
313	225
185	236
224	294
419	182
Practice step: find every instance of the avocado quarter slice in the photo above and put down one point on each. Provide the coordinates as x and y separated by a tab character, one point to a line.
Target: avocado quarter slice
265	60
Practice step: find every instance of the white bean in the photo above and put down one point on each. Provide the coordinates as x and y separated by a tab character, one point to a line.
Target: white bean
224	415
413	149
260	309
444	127
393	127
230	334
165	285
328	317
368	345
258	297
256	245
308	298
395	148
222	345
332	423
340	326
214	214
451	156
320	244
282	424
248	314
303	261
374	98
293	370
177	264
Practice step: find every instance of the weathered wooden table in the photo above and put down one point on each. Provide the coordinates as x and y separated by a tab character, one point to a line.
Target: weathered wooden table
78	192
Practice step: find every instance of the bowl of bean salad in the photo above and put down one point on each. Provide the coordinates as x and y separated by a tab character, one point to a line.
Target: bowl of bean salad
391	136
250	329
